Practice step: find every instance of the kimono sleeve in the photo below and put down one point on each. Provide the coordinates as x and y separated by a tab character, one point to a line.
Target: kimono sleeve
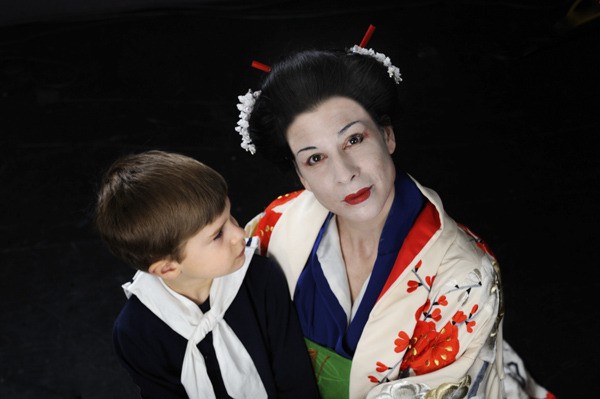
262	224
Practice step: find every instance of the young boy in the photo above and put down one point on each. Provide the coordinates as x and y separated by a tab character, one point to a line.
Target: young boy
205	316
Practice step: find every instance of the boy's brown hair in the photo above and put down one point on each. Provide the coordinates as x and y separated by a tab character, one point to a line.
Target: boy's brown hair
149	204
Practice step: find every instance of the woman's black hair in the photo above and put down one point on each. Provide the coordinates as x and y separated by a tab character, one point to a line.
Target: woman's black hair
306	79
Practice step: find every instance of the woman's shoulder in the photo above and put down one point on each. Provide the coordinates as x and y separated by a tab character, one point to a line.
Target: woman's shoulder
262	225
466	260
278	204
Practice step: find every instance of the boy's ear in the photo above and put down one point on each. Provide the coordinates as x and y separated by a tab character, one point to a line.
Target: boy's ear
167	269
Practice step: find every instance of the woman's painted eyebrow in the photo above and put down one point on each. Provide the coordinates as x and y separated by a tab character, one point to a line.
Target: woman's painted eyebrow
348	126
339	133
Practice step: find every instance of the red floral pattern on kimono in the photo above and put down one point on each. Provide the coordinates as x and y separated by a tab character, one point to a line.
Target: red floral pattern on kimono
265	226
429	349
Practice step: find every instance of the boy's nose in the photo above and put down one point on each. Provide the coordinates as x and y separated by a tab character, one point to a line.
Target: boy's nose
238	234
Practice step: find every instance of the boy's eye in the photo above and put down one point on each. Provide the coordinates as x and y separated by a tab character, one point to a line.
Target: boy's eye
219	234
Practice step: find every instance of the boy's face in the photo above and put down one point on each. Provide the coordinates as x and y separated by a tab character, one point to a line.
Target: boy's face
216	250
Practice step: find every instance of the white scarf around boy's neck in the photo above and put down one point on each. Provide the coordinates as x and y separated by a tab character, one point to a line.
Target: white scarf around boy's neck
185	317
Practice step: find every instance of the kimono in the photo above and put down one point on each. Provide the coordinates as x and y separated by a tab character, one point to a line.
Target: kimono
436	325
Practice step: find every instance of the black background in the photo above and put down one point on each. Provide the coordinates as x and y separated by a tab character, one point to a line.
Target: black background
501	119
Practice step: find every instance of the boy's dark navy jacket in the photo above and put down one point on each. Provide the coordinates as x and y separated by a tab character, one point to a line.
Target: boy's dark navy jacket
261	315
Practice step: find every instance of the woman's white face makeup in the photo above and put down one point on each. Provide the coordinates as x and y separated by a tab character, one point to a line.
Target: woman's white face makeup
344	159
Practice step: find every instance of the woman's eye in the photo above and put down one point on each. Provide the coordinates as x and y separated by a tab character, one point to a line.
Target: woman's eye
313	159
355	139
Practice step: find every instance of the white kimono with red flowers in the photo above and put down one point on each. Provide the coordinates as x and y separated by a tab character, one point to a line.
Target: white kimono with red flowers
437	325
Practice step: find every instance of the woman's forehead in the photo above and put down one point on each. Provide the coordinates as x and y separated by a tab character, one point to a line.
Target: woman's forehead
333	116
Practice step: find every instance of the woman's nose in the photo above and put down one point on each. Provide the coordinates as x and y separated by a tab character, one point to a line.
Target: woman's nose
345	169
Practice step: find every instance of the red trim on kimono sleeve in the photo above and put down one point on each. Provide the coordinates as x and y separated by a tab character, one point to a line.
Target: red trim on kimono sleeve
478	240
427	223
265	225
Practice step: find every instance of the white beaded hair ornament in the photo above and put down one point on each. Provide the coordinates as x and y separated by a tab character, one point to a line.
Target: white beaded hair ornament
247	101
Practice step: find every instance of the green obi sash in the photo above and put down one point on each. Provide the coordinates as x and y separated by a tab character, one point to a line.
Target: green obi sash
332	371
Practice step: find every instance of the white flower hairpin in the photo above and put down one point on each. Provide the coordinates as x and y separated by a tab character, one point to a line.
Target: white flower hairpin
393	71
247	101
245	106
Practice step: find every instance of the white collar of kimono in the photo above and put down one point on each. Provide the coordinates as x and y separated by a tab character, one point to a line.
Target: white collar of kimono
334	268
185	317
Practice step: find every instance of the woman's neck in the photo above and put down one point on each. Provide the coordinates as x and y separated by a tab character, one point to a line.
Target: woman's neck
364	234
361	236
359	250
359	243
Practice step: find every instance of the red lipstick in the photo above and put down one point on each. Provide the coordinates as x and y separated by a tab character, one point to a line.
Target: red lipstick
360	196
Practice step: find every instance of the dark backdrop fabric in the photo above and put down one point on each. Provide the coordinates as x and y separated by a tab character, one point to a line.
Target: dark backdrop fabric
501	119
